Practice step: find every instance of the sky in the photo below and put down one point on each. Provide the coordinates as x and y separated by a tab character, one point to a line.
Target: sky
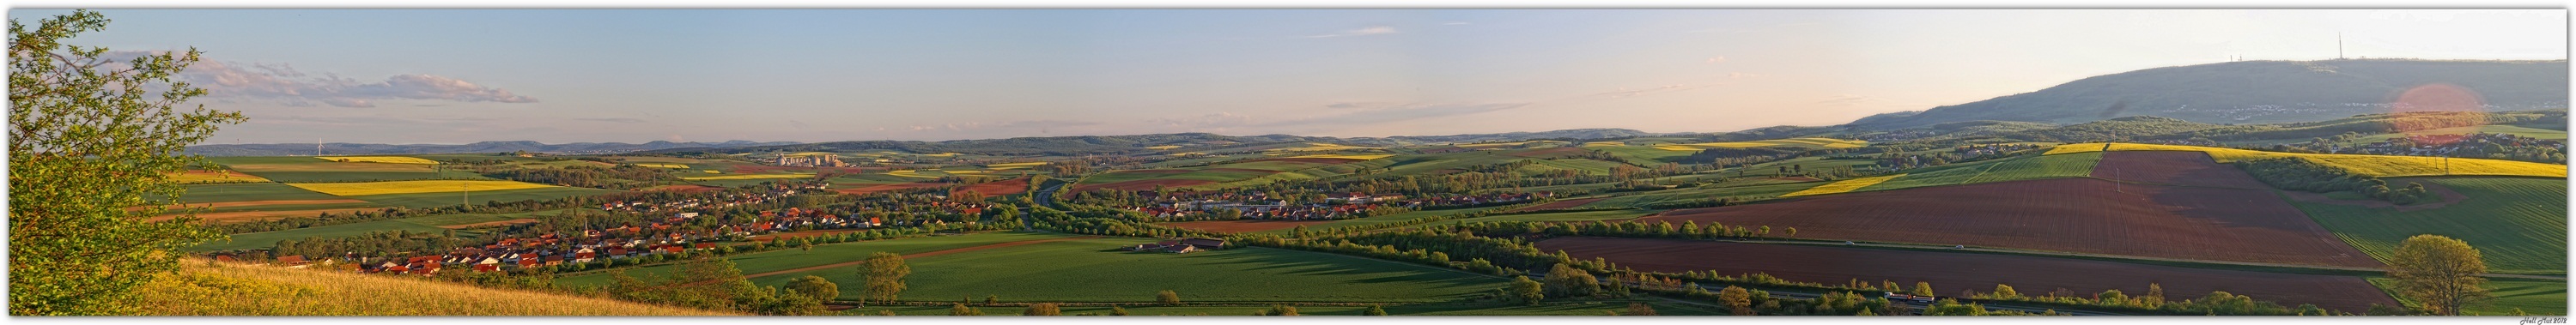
447	76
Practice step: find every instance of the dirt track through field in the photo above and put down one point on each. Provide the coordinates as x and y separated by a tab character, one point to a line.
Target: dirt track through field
914	256
1951	272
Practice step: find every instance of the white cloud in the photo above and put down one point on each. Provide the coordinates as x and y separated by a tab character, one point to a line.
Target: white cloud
284	83
1371	30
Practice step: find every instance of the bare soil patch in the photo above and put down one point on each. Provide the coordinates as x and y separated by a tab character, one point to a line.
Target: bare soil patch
2186	168
2081	215
1951	272
1005	187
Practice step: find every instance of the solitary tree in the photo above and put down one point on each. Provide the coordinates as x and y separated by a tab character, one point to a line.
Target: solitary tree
1042	309
1922	288
814	286
1279	310
2005	291
1168	298
883	273
2439	272
1527	291
1374	310
89	137
1737	300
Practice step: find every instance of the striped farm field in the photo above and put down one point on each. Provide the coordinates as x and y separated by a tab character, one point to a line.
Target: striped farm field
909	173
408	187
2518	224
1843	186
1999	170
214	177
2372	165
1351	157
760	176
671	166
381	159
1797	142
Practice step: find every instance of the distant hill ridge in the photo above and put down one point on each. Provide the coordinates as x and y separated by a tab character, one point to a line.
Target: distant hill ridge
2254	92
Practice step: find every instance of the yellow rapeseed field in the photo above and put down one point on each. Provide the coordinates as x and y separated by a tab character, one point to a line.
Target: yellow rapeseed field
203	288
753	176
2372	165
671	166
380	159
1351	157
214	177
1843	186
408	187
909	173
1603	144
1810	142
1165	147
712	171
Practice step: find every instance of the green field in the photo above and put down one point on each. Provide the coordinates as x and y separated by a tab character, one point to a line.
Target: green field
1748	192
1203	175
780	260
363	176
1392	218
292	207
2518	223
1093	270
427	224
248	192
1999	170
2535	297
426	200
1564	216
1431	309
1816	163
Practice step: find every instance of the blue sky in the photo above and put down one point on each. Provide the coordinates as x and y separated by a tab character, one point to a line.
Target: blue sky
556	76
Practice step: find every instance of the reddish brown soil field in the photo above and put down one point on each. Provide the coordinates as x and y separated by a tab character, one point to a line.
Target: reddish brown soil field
685	188
889	187
1326	161
1006	187
1566	204
2186	168
490	224
2069	215
1552	152
1238	226
1951	272
1143	185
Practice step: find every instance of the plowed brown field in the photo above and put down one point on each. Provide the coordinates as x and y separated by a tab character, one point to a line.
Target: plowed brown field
1951	272
1566	204
2186	168
1006	187
2070	215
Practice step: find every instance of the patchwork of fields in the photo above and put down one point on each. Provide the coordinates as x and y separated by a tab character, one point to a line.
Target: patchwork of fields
1092	270
2372	165
2517	223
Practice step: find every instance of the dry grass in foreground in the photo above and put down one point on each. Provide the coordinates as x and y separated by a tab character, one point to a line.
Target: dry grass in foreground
227	289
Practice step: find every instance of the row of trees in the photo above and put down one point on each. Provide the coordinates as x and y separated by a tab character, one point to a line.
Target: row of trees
2300	174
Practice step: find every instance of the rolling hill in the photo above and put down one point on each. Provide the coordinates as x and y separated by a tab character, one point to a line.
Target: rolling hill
2253	92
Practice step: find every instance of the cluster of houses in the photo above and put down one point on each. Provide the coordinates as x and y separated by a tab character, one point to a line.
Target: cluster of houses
722	200
1178	245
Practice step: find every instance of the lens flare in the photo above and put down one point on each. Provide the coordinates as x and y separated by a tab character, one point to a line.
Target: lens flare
2435	106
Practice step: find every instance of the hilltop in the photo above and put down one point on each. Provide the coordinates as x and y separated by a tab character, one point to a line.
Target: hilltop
2253	92
230	289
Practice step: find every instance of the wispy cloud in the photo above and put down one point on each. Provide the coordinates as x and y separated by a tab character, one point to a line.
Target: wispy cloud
612	120
284	83
1371	30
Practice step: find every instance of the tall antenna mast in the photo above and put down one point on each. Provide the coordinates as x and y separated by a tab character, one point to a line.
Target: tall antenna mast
2338	45
317	146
